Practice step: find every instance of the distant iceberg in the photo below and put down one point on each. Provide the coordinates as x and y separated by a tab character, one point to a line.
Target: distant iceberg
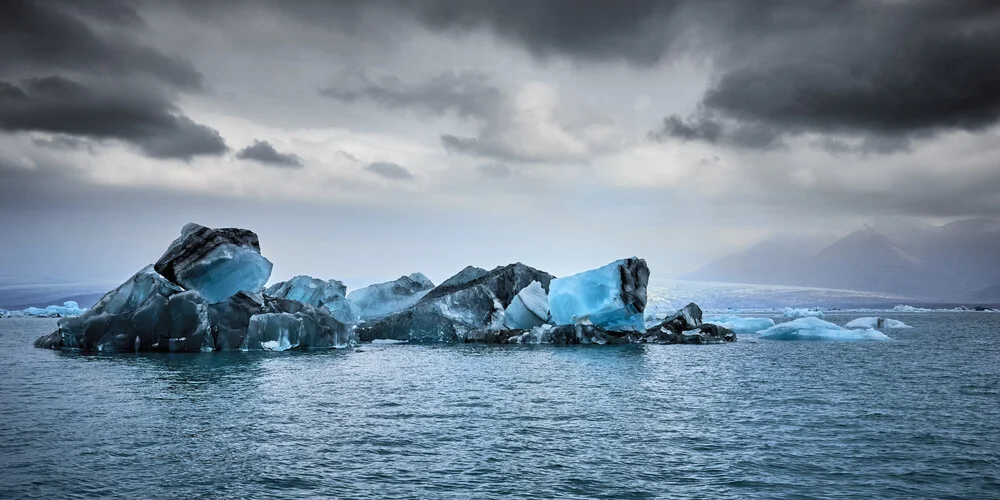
790	312
69	309
816	329
872	322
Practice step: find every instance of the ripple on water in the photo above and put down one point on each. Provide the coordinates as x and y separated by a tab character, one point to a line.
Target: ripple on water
917	417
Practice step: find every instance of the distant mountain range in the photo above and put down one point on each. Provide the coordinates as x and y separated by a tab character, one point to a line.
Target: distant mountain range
959	261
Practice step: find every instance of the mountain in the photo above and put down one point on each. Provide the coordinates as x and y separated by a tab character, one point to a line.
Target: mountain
897	256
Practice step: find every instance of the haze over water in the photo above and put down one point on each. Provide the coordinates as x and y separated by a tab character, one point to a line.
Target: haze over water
915	417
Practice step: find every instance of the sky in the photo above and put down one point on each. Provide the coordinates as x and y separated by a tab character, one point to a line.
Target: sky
364	140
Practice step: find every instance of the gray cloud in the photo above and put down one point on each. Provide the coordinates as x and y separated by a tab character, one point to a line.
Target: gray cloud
890	71
635	31
389	170
704	126
507	132
61	143
264	152
467	94
46	37
59	105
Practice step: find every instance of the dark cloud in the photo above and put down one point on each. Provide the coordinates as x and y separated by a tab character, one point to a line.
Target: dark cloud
264	152
704	126
144	119
891	72
389	170
51	37
636	31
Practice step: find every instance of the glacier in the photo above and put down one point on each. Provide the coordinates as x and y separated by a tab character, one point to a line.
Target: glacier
871	322
382	299
811	328
528	309
612	296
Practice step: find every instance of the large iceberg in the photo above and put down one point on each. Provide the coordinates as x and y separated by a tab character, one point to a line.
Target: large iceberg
740	324
612	297
877	323
528	309
152	312
382	299
816	329
465	311
217	263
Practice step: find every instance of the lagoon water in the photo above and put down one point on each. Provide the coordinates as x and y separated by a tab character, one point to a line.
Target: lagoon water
915	417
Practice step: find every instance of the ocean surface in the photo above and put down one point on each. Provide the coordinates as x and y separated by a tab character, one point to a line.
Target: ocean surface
918	417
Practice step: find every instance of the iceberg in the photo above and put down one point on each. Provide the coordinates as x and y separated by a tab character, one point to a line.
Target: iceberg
612	297
876	323
528	309
217	263
308	290
686	327
467	311
742	325
790	312
68	309
811	328
382	299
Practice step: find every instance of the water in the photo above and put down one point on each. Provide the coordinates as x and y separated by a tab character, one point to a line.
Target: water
917	417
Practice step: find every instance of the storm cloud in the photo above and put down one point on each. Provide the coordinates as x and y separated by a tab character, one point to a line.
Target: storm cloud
59	105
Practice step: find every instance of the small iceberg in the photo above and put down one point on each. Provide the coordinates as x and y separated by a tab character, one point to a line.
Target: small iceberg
790	312
817	329
741	325
876	323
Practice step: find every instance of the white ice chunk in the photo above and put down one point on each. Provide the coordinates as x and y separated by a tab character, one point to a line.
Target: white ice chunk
811	328
790	312
528	309
868	322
